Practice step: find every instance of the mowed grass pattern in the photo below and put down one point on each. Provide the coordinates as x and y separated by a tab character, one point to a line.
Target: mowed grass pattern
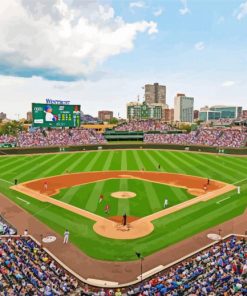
168	230
149	197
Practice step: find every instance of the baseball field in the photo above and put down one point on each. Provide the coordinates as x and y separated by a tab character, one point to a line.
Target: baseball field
149	195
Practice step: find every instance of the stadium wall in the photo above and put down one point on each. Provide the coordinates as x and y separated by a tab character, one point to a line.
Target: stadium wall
195	148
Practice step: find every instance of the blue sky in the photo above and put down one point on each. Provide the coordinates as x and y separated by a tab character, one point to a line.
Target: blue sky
101	53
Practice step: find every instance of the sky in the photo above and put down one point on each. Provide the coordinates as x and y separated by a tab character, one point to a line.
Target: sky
100	53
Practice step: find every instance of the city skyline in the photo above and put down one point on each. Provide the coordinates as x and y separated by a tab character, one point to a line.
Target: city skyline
101	53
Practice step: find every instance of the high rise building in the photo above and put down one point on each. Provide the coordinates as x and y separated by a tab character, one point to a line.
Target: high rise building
220	112
169	115
29	116
105	115
244	114
196	114
3	115
183	108
155	94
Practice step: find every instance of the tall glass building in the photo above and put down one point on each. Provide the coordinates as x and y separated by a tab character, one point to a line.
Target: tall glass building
183	108
220	112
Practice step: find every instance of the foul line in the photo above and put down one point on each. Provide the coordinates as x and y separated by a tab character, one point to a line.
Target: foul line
218	202
27	202
240	181
40	210
6	181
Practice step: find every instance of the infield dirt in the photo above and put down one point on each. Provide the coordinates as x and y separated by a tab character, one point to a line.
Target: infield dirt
108	227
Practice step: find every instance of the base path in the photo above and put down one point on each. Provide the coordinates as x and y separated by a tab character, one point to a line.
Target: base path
43	189
120	272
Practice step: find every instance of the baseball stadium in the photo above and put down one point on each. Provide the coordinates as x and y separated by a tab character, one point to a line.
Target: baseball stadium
123	148
122	217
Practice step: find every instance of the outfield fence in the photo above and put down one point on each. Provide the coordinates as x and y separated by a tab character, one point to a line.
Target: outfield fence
141	145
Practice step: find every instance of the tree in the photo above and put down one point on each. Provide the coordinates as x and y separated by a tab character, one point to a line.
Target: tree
185	127
11	128
114	120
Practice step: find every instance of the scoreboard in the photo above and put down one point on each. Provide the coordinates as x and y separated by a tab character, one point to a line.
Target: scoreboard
56	115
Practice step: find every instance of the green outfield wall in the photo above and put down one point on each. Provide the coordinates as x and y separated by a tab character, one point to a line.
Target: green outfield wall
222	150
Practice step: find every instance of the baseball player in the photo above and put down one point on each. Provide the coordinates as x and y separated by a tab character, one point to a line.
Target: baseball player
66	236
101	197
165	203
107	209
45	186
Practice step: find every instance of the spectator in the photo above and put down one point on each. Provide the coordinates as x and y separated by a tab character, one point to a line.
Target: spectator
144	125
25	269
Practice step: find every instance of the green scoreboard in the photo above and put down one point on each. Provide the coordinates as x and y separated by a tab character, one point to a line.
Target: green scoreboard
56	115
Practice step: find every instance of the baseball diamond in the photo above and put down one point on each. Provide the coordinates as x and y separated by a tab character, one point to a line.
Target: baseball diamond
187	221
123	148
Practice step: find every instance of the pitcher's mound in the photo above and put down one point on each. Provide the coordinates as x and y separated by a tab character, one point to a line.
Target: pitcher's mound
123	194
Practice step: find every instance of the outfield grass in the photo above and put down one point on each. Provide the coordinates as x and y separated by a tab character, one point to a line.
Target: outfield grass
168	230
149	197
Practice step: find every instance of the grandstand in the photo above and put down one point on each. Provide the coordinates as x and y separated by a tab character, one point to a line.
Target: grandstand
150	132
218	269
27	269
217	137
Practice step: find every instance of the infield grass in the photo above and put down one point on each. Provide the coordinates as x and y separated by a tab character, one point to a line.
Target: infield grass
168	230
149	197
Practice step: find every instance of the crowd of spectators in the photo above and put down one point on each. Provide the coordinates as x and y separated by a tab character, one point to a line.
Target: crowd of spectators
218	137
7	139
144	125
210	137
26	269
232	138
219	270
223	122
58	137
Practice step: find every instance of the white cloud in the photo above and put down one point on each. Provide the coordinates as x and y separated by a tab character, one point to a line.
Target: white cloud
58	40
185	9
158	12
241	12
137	4
228	83
199	46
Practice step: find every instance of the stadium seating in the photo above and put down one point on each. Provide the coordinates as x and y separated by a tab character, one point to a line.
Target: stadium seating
26	269
210	137
7	139
57	137
216	137
144	125
219	270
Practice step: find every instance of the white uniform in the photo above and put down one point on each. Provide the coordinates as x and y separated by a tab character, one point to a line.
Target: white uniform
66	237
48	116
165	203
238	189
